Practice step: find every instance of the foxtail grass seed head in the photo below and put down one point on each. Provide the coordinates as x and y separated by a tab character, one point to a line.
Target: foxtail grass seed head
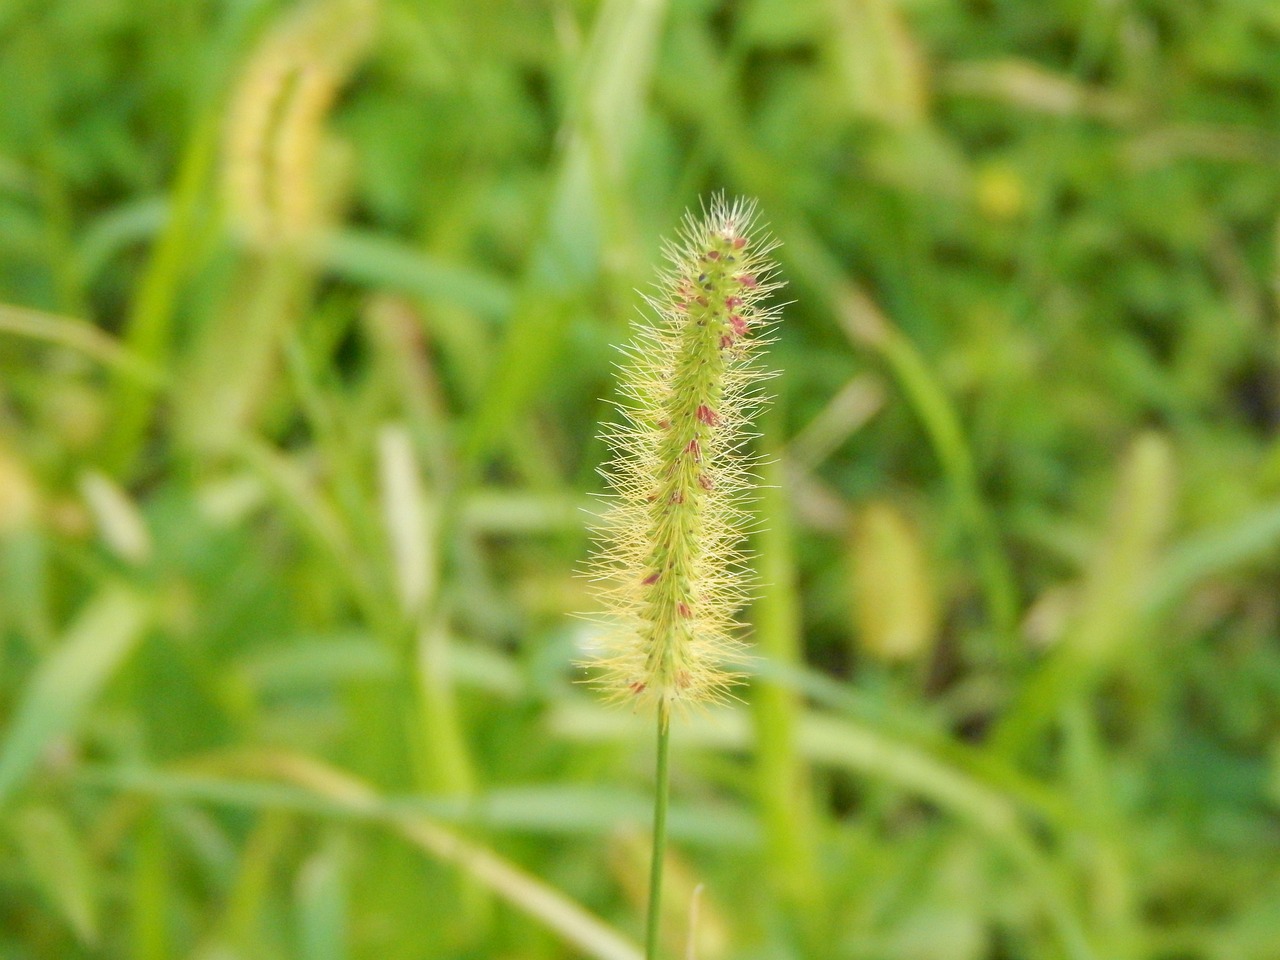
277	142
668	562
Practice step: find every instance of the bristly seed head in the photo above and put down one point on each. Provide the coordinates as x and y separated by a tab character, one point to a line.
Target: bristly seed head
668	550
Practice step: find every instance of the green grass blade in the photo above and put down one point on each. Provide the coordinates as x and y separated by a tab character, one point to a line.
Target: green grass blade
149	330
1109	617
82	337
61	866
1213	553
782	777
865	324
320	906
384	263
552	810
599	143
68	681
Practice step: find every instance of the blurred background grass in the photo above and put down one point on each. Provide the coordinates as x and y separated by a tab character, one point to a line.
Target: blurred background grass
307	311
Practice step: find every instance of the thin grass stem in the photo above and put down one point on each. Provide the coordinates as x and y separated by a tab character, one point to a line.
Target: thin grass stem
661	792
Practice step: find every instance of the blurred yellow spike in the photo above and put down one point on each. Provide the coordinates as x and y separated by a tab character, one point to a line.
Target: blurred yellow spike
879	61
19	499
1120	572
275	132
895	603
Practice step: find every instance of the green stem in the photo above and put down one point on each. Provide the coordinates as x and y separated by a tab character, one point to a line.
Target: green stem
661	791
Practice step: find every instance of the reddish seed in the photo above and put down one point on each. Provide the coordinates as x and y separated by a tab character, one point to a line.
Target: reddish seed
651	579
713	254
677	497
705	482
739	242
707	415
638	687
684	609
726	341
664	424
747	280
694	448
739	325
732	302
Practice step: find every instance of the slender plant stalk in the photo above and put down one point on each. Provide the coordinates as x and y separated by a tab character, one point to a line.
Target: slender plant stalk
661	792
668	563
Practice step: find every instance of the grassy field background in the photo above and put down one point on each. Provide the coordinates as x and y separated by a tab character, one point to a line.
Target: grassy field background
307	322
